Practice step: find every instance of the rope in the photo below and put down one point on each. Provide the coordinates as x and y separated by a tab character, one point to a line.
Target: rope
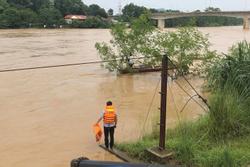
149	109
63	65
176	108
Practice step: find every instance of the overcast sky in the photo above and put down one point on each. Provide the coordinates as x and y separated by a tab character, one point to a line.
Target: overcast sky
183	5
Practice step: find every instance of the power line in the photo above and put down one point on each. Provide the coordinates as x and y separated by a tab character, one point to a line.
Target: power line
104	61
63	65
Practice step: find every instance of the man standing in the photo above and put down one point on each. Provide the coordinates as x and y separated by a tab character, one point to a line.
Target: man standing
109	117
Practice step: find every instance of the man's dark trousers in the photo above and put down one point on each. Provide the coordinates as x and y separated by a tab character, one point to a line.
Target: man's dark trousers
109	132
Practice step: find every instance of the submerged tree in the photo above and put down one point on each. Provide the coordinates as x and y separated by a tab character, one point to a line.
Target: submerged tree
125	44
184	46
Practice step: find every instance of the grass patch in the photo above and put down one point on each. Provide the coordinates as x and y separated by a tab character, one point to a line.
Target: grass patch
193	146
138	149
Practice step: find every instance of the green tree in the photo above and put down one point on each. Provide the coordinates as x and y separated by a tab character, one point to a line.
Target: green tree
125	44
132	11
110	12
95	10
212	9
38	4
3	5
20	3
10	18
27	17
50	16
71	7
184	46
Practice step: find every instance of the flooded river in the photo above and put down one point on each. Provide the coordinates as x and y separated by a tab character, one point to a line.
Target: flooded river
46	115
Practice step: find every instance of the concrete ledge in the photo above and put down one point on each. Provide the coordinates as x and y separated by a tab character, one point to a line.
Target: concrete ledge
120	155
162	154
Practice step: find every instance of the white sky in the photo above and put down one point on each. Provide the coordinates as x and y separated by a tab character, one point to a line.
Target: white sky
183	5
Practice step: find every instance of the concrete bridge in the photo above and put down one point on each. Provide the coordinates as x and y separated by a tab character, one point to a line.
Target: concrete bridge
161	17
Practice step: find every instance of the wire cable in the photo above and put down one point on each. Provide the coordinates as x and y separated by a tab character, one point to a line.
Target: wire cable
202	98
185	105
176	108
191	96
64	65
149	108
105	61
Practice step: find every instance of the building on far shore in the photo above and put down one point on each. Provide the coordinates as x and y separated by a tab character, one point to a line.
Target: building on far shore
69	18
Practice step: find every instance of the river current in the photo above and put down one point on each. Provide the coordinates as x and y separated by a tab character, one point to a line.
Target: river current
46	115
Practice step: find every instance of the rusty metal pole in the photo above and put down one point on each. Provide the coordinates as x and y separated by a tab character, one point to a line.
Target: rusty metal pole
164	82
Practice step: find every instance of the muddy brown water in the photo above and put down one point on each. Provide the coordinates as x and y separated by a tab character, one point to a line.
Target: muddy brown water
46	115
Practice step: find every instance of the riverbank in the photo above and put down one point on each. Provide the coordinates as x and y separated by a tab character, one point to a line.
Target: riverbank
191	146
221	136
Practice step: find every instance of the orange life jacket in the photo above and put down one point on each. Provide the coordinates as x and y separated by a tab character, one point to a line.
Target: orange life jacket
109	115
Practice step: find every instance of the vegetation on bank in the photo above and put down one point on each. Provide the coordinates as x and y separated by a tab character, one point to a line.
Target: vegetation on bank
37	13
132	11
221	137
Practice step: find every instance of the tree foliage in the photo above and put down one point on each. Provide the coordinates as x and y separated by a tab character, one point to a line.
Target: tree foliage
38	4
20	3
3	5
110	12
132	11
50	16
125	43
71	7
26	13
212	9
184	46
95	10
203	21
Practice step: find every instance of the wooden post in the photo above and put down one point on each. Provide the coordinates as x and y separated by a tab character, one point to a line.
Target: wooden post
164	82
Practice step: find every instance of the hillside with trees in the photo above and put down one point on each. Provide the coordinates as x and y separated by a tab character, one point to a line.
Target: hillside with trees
37	13
50	13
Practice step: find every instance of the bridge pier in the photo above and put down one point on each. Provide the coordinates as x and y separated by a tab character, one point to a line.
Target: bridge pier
246	23
161	24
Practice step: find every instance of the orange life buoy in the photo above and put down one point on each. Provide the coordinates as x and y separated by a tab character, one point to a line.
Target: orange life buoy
98	132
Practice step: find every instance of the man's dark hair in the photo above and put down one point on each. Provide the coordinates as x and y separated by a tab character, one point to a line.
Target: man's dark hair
109	103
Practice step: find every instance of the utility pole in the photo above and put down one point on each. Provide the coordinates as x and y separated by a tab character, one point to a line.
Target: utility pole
164	82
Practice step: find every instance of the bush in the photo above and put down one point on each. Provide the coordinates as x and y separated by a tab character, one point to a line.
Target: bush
232	69
228	117
229	79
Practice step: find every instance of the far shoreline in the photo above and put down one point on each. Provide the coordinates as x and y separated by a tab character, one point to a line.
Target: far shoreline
34	28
